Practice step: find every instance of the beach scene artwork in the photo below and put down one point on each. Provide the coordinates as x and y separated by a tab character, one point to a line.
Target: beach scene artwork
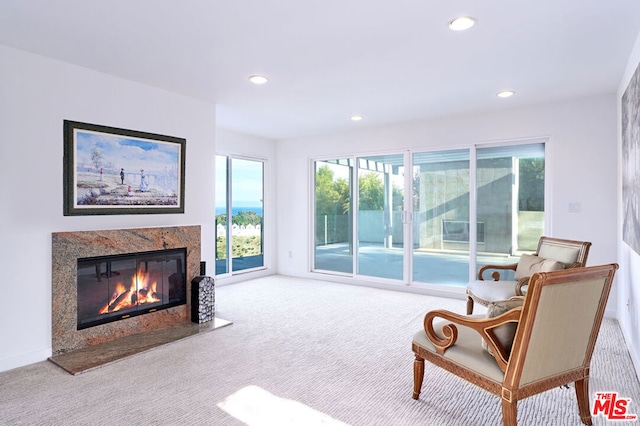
112	171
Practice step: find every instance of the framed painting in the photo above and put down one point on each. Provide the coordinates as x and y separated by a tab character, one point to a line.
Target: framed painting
630	116
117	171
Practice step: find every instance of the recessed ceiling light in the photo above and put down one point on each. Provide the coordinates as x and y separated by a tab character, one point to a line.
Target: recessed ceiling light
505	93
462	23
258	79
356	117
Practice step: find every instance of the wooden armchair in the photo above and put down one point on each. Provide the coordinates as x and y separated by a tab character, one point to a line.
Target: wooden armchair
556	331
552	254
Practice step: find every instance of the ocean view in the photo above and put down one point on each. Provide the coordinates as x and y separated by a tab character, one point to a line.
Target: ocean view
236	210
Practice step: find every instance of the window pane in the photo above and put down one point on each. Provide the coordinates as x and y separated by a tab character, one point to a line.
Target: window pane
222	188
247	183
441	217
333	232
510	202
380	209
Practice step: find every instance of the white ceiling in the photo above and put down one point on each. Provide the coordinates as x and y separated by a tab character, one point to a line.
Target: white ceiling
391	61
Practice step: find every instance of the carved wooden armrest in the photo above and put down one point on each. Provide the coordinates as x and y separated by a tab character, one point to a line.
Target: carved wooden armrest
521	283
495	274
484	327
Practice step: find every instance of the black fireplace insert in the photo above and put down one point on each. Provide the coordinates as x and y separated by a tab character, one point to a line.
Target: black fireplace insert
111	288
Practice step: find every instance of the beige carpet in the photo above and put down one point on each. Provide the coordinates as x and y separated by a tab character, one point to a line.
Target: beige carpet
299	352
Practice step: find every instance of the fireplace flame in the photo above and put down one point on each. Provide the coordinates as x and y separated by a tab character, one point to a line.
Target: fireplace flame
139	292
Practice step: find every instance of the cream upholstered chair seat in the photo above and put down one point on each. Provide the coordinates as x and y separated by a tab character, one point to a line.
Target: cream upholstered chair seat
467	351
554	330
552	254
498	290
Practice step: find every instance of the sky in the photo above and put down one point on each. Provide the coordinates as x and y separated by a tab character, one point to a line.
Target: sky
132	154
247	185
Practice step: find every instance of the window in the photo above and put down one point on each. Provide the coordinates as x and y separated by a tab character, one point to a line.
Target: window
510	182
441	217
455	211
458	231
333	245
239	196
380	251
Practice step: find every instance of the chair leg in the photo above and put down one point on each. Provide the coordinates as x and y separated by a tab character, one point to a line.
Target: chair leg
509	412
582	393
418	376
469	305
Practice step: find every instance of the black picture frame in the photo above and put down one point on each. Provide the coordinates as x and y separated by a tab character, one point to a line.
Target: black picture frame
108	170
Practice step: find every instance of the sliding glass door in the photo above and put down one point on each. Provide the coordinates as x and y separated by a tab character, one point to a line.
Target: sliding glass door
441	225
510	188
222	207
239	196
377	197
380	244
333	236
456	211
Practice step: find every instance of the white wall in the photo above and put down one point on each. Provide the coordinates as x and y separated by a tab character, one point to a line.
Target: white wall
36	95
629	273
253	147
581	159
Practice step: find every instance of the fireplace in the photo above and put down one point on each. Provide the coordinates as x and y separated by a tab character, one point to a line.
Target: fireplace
116	256
111	288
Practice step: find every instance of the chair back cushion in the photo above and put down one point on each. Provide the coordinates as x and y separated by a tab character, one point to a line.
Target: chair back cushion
506	332
566	254
530	264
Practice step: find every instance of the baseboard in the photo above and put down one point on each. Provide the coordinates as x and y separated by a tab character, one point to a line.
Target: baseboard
636	363
611	313
435	290
26	358
243	276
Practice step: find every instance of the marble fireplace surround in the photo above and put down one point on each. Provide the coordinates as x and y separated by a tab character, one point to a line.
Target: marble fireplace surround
67	247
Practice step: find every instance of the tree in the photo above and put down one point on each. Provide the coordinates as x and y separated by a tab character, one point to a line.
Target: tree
246	218
241	218
332	196
398	198
371	192
531	196
344	190
96	157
